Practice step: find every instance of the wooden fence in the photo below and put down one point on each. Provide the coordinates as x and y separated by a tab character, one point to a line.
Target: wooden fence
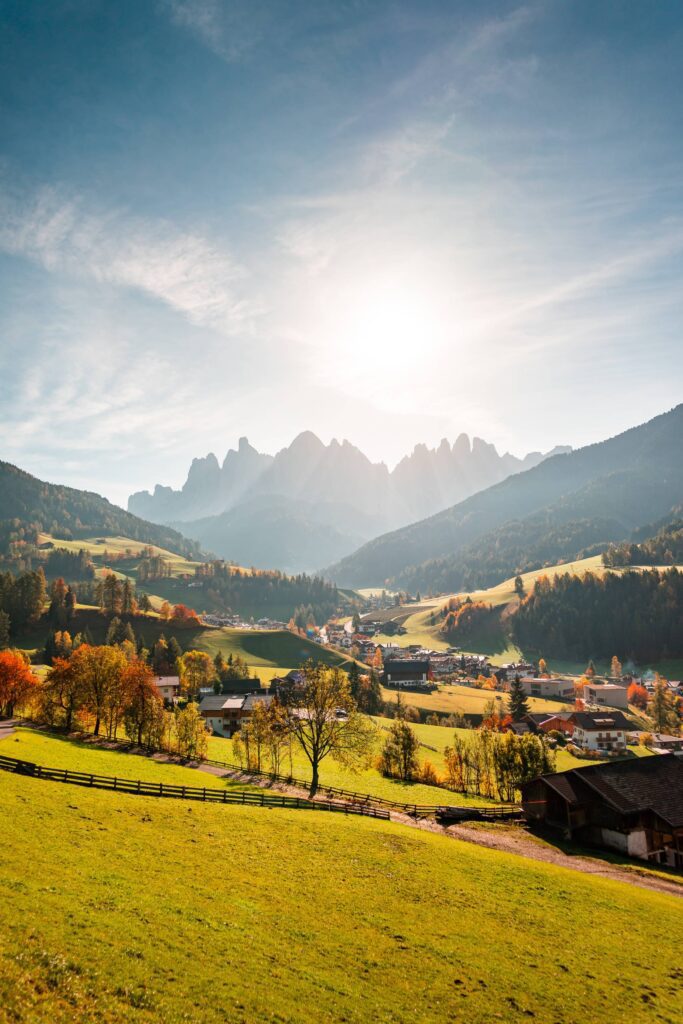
492	812
139	787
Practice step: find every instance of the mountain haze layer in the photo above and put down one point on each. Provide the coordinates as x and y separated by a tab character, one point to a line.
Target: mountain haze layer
552	512
312	503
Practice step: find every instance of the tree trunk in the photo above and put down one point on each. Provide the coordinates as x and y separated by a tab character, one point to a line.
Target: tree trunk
97	726
314	781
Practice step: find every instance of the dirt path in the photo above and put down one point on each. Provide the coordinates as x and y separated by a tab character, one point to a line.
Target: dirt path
518	842
7	728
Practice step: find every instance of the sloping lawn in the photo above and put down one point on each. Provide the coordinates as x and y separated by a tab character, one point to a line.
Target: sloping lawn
117	908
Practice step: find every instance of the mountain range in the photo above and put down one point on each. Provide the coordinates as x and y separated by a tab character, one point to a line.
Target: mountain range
569	505
312	503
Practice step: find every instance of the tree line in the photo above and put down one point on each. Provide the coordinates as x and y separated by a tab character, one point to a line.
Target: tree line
638	614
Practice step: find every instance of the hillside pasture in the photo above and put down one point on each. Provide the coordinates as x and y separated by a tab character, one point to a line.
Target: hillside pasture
451	697
267	652
117	907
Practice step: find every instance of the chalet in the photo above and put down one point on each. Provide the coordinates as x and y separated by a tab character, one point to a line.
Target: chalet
634	806
406	674
542	721
662	741
539	686
168	687
225	714
606	694
599	731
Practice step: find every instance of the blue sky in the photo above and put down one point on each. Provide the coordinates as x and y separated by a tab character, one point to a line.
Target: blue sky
390	222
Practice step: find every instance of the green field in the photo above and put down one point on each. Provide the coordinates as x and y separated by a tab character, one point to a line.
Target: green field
451	697
122	908
54	751
267	652
367	780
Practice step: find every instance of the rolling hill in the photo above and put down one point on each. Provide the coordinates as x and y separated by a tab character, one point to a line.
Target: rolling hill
29	506
553	512
299	917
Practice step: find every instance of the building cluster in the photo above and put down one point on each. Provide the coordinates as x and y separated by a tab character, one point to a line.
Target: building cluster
237	622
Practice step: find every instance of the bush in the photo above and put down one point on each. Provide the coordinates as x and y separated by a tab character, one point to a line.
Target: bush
428	775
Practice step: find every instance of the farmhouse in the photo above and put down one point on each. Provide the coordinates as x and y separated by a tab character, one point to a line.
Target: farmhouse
608	694
168	687
560	689
599	731
225	715
635	807
408	674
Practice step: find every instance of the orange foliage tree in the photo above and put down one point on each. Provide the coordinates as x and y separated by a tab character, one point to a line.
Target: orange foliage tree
17	681
637	695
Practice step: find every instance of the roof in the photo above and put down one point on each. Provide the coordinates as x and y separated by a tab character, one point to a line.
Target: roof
598	721
167	681
606	686
215	703
253	698
644	783
395	667
538	717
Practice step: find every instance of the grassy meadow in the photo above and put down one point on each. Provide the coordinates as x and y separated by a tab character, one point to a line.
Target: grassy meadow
452	697
56	751
122	908
267	652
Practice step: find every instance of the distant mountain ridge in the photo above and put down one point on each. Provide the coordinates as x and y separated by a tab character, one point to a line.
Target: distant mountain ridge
321	500
589	497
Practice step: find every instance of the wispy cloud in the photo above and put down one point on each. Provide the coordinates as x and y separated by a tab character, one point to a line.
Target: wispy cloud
181	269
229	30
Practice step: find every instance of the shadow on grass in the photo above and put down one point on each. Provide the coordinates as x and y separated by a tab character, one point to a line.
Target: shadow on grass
553	839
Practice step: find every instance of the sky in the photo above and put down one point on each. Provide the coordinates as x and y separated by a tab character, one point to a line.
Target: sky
383	221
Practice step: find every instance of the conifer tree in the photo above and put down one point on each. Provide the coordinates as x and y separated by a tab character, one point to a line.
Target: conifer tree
518	705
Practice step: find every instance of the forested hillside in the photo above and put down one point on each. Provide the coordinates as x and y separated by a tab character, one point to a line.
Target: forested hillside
636	615
29	506
647	547
617	484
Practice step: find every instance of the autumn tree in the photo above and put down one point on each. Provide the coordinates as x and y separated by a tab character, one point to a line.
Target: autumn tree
17	681
615	668
377	660
142	700
324	719
63	691
637	696
196	670
398	758
191	732
661	708
99	670
542	667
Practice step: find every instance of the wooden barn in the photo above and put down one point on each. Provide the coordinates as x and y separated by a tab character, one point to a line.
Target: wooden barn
633	806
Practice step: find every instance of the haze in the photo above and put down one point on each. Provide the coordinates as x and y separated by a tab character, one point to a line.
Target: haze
387	222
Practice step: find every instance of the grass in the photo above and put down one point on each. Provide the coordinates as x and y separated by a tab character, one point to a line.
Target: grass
267	652
366	780
451	697
116	908
85	756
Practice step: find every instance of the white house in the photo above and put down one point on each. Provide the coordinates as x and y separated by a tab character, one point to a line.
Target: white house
168	687
593	731
609	695
560	689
